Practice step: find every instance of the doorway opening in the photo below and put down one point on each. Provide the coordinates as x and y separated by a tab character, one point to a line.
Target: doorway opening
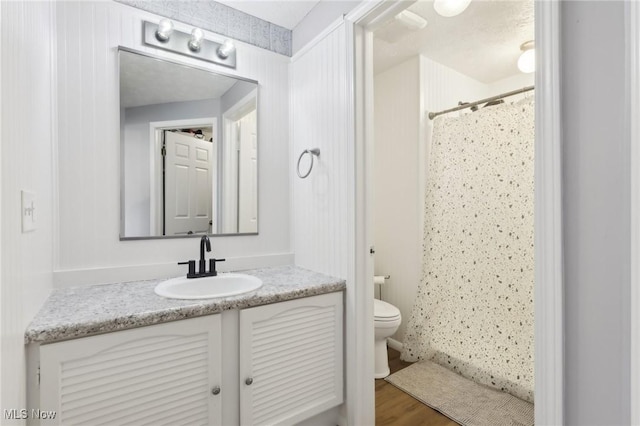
184	177
548	223
457	240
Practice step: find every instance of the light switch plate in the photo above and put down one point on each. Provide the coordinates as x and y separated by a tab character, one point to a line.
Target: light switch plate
28	211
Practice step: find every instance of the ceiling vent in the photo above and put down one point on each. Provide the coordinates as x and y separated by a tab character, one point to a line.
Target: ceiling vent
402	24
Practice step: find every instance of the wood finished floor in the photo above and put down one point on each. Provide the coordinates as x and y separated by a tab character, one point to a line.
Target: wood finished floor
394	407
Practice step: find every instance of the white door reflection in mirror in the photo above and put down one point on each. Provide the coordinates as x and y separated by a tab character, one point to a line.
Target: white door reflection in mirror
187	184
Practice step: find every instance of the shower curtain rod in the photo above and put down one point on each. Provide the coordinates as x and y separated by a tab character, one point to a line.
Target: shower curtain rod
433	115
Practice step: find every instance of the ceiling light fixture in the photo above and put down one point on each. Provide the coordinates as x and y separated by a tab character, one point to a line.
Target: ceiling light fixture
449	8
165	28
196	39
194	44
527	59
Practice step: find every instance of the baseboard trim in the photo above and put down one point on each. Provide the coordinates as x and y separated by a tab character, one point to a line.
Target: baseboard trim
395	344
79	277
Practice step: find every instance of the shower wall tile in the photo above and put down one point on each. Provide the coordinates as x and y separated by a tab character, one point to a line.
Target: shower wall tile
221	19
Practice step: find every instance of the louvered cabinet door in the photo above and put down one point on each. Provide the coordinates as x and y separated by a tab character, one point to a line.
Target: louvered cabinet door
156	375
291	360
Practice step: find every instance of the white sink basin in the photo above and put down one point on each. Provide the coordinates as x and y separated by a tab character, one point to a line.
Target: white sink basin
222	285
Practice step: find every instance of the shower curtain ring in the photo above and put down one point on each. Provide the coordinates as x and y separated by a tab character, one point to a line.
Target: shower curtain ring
313	152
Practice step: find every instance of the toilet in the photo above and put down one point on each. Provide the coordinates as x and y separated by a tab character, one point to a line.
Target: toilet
387	320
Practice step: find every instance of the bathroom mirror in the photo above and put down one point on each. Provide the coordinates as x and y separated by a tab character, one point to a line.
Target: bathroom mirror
189	150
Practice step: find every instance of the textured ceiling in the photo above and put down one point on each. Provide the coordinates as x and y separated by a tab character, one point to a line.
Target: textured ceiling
483	42
285	13
148	81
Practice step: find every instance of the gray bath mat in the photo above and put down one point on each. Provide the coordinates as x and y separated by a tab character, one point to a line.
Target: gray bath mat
460	399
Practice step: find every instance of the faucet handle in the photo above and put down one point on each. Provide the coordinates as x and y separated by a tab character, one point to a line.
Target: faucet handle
192	268
212	266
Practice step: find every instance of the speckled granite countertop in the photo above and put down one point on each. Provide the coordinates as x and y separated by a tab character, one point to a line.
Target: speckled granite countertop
82	311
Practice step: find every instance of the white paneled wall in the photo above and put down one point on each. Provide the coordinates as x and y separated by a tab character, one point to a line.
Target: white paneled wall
443	87
26	148
404	95
508	84
88	219
396	184
319	106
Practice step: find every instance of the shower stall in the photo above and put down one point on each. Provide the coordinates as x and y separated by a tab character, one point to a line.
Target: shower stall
457	239
473	311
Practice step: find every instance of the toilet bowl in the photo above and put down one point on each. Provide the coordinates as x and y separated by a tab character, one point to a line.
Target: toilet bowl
386	320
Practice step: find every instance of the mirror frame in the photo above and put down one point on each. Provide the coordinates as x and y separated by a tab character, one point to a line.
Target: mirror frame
122	237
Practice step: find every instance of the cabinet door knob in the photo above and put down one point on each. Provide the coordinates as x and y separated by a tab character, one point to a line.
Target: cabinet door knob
215	390
249	381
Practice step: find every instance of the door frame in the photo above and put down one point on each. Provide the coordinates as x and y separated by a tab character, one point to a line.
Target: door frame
155	168
228	173
633	59
548	286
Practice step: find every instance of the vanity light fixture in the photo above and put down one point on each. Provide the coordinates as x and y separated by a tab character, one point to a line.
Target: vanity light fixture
165	28
194	45
527	59
449	8
197	35
226	49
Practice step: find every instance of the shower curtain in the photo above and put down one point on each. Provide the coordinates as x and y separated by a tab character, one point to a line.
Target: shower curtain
474	307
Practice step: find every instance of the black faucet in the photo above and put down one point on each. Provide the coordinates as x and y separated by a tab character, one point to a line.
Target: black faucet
202	266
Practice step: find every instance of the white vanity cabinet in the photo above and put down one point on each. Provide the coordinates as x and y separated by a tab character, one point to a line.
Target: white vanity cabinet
280	363
161	374
291	360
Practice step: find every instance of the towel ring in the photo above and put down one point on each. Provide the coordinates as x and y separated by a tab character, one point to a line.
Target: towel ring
313	152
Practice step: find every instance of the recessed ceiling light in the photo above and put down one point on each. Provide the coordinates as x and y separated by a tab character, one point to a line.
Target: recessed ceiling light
527	59
449	8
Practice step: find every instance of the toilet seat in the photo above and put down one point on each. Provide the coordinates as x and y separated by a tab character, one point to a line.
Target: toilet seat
383	311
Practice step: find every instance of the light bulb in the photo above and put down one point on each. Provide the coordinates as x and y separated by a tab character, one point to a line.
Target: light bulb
527	59
196	39
449	8
226	49
165	28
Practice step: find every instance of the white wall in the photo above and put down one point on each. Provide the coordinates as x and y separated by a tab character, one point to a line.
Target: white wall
596	206
514	82
443	87
397	210
321	202
319	18
137	155
403	96
87	246
26	152
319	107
